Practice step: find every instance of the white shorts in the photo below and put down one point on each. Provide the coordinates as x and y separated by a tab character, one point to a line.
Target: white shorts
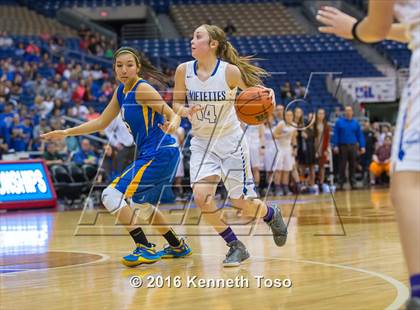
270	158
406	142
226	157
180	170
285	159
254	154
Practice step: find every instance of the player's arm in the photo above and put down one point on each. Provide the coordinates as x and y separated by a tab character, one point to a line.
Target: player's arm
98	124
399	32
373	28
179	93
234	78
180	90
148	96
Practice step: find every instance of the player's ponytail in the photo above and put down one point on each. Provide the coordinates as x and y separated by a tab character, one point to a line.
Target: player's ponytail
252	75
146	67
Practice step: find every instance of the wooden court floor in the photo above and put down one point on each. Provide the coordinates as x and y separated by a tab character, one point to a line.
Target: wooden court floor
70	260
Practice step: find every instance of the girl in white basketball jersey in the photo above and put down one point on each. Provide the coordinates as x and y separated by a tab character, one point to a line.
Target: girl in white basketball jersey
285	134
405	185
256	142
218	148
270	154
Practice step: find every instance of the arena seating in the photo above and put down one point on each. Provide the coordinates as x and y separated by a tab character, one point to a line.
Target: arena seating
290	58
50	7
248	18
396	52
20	20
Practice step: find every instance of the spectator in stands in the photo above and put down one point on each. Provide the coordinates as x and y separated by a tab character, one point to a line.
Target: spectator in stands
370	142
40	107
65	92
299	90
2	103
41	128
96	72
106	92
51	155
56	116
287	93
306	154
4	148
347	140
5	40
6	121
385	132
29	71
230	28
61	144
32	52
381	160
85	156
109	51
15	93
22	134
322	145
20	50
92	114
80	91
122	141
61	66
279	111
93	45
79	110
76	73
49	89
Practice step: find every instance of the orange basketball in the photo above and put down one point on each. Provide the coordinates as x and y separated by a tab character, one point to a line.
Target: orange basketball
253	105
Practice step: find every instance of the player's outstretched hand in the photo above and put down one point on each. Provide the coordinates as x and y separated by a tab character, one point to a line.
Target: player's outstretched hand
54	135
169	127
336	22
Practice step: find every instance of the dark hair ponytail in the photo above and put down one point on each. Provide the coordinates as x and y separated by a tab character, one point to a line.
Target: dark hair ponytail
146	67
251	74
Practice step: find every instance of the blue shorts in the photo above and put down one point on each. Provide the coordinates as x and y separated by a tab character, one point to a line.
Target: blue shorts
145	179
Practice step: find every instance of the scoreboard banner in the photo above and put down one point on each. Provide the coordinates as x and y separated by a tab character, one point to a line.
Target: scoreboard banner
374	89
25	184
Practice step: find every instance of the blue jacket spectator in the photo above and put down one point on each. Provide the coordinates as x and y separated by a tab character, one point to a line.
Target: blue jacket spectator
347	139
22	135
347	131
85	155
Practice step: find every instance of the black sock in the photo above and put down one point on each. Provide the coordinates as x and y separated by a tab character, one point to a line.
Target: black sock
139	237
172	238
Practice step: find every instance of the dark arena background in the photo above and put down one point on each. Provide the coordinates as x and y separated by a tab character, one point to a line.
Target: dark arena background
61	249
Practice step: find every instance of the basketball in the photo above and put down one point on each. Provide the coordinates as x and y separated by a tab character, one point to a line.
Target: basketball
253	105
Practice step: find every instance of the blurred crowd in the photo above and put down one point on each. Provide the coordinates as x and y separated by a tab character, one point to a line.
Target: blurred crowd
307	153
96	44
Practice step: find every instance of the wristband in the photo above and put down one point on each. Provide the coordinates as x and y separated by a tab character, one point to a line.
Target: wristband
356	37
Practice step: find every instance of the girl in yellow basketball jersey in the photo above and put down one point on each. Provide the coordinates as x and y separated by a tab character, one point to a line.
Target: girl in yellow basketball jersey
405	181
218	149
141	183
